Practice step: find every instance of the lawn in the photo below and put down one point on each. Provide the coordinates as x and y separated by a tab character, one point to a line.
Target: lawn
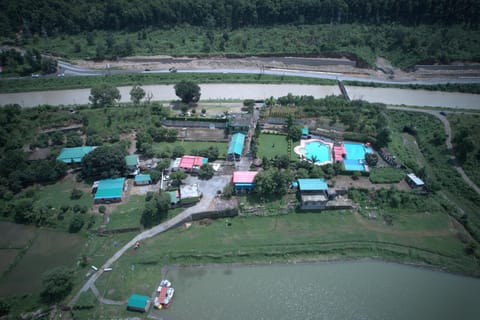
386	175
192	147
128	214
271	145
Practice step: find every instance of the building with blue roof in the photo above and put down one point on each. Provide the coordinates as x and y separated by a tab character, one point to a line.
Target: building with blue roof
109	190
313	193
305	133
142	179
74	155
235	148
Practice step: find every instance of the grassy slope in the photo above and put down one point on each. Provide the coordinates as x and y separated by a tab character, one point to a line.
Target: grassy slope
404	46
472	124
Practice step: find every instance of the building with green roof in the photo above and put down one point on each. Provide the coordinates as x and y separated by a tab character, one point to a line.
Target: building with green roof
138	303
132	162
235	148
109	190
74	155
142	179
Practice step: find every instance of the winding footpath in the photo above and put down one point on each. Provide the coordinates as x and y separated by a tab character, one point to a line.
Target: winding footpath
448	131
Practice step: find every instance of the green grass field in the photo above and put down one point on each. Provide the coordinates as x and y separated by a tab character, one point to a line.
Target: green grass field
190	146
386	175
128	214
271	145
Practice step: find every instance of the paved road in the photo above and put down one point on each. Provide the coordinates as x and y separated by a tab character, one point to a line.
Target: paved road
448	131
72	70
216	183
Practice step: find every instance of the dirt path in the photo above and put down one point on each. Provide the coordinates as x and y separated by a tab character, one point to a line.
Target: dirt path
448	141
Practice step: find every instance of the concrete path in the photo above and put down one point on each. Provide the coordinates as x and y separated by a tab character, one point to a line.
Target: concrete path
216	183
448	131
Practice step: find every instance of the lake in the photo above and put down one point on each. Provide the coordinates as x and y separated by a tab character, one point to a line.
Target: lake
339	290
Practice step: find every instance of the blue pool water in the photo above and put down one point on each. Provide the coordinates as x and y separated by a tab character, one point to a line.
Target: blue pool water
320	151
355	160
356	151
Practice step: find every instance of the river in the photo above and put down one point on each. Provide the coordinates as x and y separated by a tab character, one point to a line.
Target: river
341	290
237	91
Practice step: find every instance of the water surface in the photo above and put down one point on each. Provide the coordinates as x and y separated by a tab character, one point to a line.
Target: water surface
348	290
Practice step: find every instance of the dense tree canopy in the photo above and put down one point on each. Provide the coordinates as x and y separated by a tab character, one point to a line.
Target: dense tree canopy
49	17
156	209
104	95
56	283
188	91
104	162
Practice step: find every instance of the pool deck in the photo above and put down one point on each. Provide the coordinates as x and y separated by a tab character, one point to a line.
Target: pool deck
302	146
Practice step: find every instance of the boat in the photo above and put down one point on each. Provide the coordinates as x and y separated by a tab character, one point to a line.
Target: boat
164	295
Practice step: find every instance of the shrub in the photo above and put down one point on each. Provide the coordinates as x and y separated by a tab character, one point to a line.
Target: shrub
76	194
102	209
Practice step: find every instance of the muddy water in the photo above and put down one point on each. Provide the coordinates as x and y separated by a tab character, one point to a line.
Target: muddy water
415	97
259	91
166	93
345	290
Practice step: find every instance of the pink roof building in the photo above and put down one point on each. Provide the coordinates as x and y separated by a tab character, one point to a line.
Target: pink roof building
244	176
191	162
339	152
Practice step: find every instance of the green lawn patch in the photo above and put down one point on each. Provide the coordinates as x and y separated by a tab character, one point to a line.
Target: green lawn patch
192	147
386	175
271	145
127	215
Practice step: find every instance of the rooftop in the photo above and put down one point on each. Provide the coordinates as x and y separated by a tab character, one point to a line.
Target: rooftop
188	162
137	301
236	144
312	184
110	188
174	196
190	191
244	176
415	179
132	160
143	178
76	154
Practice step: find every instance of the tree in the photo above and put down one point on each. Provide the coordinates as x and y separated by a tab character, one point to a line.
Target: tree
136	94
249	104
294	133
4	307
271	183
178	176
371	159
156	209
74	140
76	223
104	95
206	172
57	284
76	194
188	91
104	162
383	137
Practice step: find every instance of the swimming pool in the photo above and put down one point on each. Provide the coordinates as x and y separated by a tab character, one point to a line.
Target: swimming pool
355	158
356	151
318	151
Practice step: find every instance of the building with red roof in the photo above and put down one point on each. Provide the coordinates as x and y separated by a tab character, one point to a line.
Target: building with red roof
192	163
244	180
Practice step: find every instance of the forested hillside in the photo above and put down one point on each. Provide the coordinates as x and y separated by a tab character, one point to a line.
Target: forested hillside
53	17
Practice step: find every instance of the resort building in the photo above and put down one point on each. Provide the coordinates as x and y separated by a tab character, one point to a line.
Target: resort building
74	155
132	162
244	181
142	179
109	190
191	163
235	148
414	181
174	197
313	193
138	303
305	134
